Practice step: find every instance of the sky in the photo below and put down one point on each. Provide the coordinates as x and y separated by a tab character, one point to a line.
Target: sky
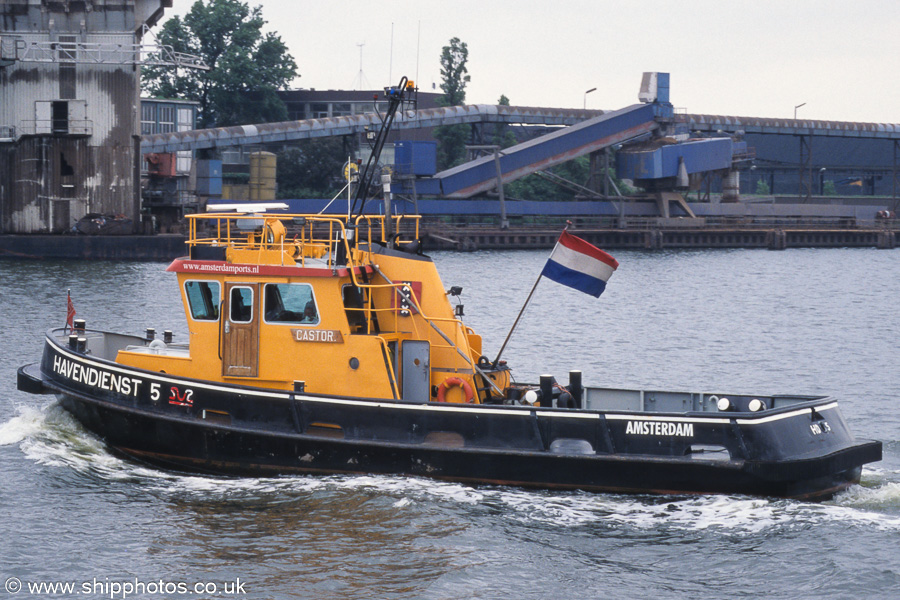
757	58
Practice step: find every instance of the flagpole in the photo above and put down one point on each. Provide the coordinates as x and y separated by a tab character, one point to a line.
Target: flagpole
509	335
527	300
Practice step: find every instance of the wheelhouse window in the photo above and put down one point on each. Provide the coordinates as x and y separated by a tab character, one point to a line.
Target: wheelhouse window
291	303
241	305
203	299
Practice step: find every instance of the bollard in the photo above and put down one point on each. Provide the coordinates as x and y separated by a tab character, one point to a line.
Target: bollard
575	387
546	391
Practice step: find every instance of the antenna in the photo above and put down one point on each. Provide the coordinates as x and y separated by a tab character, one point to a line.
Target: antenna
361	77
418	44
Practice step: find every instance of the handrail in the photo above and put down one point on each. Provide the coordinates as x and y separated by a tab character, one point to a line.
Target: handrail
430	320
313	235
390	368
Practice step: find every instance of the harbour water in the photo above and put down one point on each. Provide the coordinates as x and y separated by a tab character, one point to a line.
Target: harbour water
802	321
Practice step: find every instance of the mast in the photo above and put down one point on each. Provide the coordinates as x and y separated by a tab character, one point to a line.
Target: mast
395	96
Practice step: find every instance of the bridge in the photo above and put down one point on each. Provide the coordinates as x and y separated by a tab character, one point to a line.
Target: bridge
287	131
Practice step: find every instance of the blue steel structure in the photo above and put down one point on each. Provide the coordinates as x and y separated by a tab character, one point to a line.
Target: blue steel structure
414	157
477	207
480	175
585	132
698	156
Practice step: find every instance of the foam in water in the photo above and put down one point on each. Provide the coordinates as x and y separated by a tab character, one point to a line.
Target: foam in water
50	436
28	422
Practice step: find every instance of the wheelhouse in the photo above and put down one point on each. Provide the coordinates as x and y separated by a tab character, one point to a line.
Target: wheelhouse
286	301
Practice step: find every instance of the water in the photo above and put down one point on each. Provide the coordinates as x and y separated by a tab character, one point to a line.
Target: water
803	321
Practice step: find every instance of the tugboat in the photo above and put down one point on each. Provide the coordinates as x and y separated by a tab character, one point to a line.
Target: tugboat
324	344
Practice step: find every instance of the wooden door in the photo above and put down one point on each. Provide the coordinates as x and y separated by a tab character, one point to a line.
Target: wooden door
240	339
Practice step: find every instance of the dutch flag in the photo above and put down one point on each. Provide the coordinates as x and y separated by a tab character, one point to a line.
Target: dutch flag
579	265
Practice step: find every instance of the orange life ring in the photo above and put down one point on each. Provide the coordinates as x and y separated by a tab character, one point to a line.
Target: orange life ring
452	381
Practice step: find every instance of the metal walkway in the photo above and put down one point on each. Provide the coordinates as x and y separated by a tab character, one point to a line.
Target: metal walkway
266	133
849	129
488	113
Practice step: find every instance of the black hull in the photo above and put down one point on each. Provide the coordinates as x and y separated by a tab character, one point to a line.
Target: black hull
236	430
195	447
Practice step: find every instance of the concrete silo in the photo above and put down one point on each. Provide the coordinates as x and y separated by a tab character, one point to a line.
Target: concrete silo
69	109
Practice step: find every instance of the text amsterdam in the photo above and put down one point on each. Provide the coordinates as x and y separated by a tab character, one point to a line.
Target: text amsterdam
659	428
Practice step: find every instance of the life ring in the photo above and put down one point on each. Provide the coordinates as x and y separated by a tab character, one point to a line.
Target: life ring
452	381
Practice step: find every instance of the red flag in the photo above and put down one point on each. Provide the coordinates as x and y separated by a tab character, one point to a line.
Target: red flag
70	311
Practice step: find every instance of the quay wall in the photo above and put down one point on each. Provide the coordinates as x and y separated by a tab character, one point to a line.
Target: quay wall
469	239
93	247
169	247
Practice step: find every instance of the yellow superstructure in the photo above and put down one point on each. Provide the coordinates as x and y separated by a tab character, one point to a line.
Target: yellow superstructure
314	302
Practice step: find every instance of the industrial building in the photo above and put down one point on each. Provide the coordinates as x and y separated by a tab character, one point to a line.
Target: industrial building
69	121
76	139
319	104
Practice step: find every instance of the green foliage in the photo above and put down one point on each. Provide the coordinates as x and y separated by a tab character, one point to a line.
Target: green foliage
247	66
451	148
451	139
503	135
454	73
311	169
535	187
762	188
829	189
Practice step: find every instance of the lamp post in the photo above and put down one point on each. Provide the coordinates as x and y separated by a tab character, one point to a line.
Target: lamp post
795	109
752	189
593	89
822	181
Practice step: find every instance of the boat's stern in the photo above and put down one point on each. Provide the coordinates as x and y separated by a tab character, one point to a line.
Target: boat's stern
806	452
28	379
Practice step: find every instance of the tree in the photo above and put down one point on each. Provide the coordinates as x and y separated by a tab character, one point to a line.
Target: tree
762	188
247	66
503	135
535	187
451	149
454	73
311	168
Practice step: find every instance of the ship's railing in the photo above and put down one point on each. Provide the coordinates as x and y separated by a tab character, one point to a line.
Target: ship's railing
400	229
301	236
457	339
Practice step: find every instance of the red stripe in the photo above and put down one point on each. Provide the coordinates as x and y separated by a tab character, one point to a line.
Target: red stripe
179	265
579	245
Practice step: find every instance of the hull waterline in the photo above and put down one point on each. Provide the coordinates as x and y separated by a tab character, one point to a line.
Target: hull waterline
291	433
